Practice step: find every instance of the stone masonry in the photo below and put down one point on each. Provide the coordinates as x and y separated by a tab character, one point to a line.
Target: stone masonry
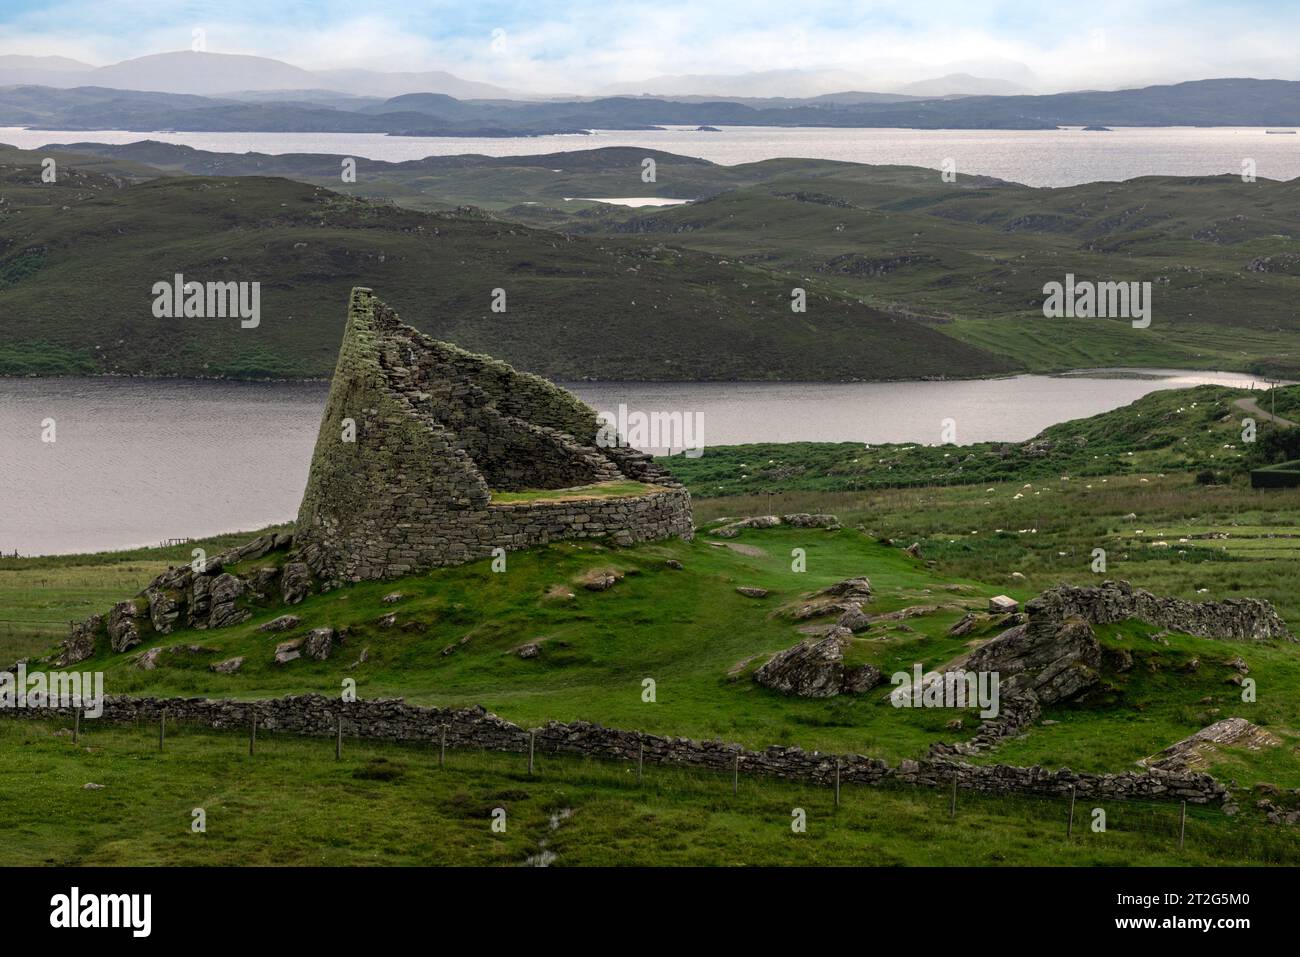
395	720
437	430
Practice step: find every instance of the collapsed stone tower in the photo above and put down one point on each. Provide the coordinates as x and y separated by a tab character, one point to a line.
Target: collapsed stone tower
418	434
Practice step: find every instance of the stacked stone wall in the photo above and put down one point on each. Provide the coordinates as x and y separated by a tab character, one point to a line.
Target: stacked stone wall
395	720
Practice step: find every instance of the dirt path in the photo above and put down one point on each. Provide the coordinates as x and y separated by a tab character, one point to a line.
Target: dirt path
1249	405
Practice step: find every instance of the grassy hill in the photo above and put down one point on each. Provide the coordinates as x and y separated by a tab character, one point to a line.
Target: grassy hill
1220	254
78	260
1175	430
964	260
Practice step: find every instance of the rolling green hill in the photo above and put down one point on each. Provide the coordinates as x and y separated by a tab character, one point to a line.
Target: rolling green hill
78	261
965	260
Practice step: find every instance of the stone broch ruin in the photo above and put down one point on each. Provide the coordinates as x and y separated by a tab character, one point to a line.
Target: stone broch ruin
416	438
438	430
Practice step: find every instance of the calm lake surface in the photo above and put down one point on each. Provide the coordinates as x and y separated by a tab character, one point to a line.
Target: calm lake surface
136	461
1062	157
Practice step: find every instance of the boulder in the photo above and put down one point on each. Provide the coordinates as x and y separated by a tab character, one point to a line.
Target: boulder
149	660
227	667
854	619
1056	660
283	623
1195	753
750	591
844	596
1003	605
815	669
319	643
287	651
530	650
295	582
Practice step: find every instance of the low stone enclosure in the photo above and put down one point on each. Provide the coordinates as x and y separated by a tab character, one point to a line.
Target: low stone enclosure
416	436
394	720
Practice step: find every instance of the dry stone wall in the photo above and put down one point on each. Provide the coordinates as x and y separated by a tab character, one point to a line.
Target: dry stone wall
395	720
1237	619
436	430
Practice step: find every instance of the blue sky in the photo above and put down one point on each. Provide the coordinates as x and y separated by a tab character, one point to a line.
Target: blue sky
583	44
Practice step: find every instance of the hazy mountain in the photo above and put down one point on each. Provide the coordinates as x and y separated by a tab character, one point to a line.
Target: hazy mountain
1229	102
372	83
11	61
963	84
209	74
766	83
202	73
890	75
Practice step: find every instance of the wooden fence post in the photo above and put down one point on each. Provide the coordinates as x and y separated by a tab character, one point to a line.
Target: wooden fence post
532	738
735	776
338	742
162	728
1182	826
837	782
1069	828
76	726
952	808
442	747
252	736
640	762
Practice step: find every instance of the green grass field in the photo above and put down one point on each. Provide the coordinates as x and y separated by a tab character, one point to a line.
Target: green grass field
292	803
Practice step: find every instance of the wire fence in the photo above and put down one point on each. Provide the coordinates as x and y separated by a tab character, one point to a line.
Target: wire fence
1178	824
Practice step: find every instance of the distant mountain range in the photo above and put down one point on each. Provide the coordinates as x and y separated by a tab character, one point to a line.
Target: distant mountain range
210	74
1226	102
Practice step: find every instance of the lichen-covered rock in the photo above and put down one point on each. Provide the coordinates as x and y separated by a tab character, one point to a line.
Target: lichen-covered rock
123	631
295	583
80	643
840	598
1054	659
149	660
1195	752
164	609
227	667
854	619
319	643
805	520
815	669
750	591
732	529
287	651
227	589
283	623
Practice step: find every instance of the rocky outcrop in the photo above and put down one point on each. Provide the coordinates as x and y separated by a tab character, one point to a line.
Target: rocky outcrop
815	669
80	644
1054	659
838	599
123	630
1195	753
